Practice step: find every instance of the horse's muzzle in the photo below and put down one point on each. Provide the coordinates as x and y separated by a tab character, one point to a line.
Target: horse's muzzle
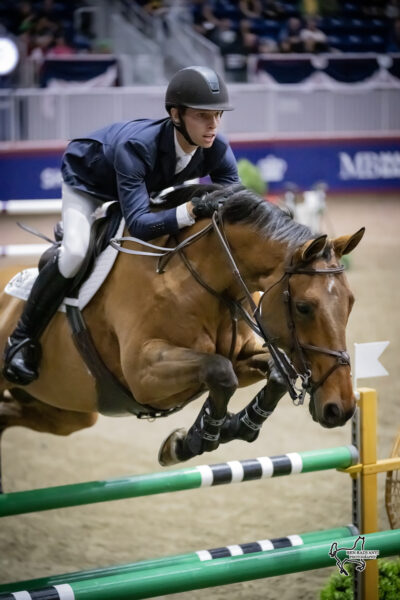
332	414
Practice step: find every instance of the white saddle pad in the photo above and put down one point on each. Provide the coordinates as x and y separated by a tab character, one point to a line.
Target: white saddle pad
21	284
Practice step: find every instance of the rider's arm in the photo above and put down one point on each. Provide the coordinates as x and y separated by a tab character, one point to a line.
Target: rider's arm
132	164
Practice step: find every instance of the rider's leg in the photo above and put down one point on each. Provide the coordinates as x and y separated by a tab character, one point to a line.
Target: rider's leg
22	353
77	218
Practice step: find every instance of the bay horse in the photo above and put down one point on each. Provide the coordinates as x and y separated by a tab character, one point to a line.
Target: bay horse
251	295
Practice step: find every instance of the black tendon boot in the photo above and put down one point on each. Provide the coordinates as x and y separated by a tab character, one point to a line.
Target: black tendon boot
22	353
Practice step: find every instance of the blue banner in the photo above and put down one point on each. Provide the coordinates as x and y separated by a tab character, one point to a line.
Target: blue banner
30	174
345	165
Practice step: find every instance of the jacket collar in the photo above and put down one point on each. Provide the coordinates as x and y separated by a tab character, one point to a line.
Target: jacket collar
168	162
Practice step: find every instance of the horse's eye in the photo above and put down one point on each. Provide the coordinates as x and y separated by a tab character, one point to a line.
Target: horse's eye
303	308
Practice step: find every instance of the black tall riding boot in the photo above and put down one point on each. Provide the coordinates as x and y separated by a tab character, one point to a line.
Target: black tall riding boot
22	353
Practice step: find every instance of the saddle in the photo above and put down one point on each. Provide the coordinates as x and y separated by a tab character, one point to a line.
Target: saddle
103	229
113	398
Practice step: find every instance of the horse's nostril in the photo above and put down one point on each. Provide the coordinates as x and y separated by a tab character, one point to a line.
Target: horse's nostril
332	413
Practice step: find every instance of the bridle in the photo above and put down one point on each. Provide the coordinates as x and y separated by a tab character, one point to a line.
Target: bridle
341	356
288	372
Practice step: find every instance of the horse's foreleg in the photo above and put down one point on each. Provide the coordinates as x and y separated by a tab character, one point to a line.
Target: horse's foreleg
204	435
181	374
246	424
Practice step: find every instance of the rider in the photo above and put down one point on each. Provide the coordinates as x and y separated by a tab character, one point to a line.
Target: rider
127	162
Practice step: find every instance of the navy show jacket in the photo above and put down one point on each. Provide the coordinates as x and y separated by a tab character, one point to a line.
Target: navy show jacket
130	160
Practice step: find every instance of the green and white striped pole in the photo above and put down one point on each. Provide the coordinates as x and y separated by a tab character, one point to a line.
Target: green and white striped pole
235	471
184	577
193	557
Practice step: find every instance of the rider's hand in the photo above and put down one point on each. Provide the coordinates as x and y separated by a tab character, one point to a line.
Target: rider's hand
204	206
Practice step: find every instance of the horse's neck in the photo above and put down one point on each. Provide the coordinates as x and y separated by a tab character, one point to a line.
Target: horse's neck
255	257
259	259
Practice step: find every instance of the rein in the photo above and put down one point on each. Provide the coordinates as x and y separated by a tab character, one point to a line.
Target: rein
286	368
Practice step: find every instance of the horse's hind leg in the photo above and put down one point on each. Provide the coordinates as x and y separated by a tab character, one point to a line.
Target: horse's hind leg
23	410
18	408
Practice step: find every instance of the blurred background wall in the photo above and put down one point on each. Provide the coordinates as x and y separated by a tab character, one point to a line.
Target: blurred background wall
316	83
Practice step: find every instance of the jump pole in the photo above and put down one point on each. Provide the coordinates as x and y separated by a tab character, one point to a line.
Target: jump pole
289	541
30	207
186	577
22	250
16	503
27	207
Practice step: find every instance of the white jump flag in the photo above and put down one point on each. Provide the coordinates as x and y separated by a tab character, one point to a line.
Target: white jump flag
366	363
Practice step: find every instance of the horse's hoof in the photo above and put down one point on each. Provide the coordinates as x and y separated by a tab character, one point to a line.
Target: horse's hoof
167	455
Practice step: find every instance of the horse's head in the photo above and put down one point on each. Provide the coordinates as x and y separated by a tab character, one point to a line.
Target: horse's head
306	314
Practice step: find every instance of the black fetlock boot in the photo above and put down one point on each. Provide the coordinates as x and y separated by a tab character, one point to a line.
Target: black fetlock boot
204	434
22	353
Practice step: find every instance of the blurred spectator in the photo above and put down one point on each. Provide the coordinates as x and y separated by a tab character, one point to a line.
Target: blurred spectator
376	8
313	38
45	26
248	38
271	9
208	13
48	9
22	18
250	9
267	46
235	45
289	38
153	7
41	46
325	8
201	23
394	38
60	47
392	9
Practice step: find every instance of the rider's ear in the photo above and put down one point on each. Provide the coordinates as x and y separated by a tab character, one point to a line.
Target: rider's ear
347	243
310	249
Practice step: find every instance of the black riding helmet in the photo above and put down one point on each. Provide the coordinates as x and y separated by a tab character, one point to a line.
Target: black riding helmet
195	87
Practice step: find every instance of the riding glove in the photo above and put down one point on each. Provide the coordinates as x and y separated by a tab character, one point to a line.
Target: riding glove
205	205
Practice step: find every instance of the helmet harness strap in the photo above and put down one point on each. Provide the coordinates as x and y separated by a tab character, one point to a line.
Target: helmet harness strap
181	127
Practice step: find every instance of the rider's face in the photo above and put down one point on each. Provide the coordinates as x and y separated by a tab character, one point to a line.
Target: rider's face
202	125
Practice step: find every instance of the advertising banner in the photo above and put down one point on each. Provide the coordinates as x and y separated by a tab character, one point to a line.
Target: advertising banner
344	165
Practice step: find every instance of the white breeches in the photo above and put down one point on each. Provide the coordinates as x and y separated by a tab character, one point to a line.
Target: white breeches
77	217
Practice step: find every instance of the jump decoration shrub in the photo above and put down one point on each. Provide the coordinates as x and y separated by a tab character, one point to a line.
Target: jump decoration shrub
340	587
251	177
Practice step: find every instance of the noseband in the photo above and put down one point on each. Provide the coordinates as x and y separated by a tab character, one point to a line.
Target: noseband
284	365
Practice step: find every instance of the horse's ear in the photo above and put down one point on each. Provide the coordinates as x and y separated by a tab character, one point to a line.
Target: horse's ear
346	243
308	251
